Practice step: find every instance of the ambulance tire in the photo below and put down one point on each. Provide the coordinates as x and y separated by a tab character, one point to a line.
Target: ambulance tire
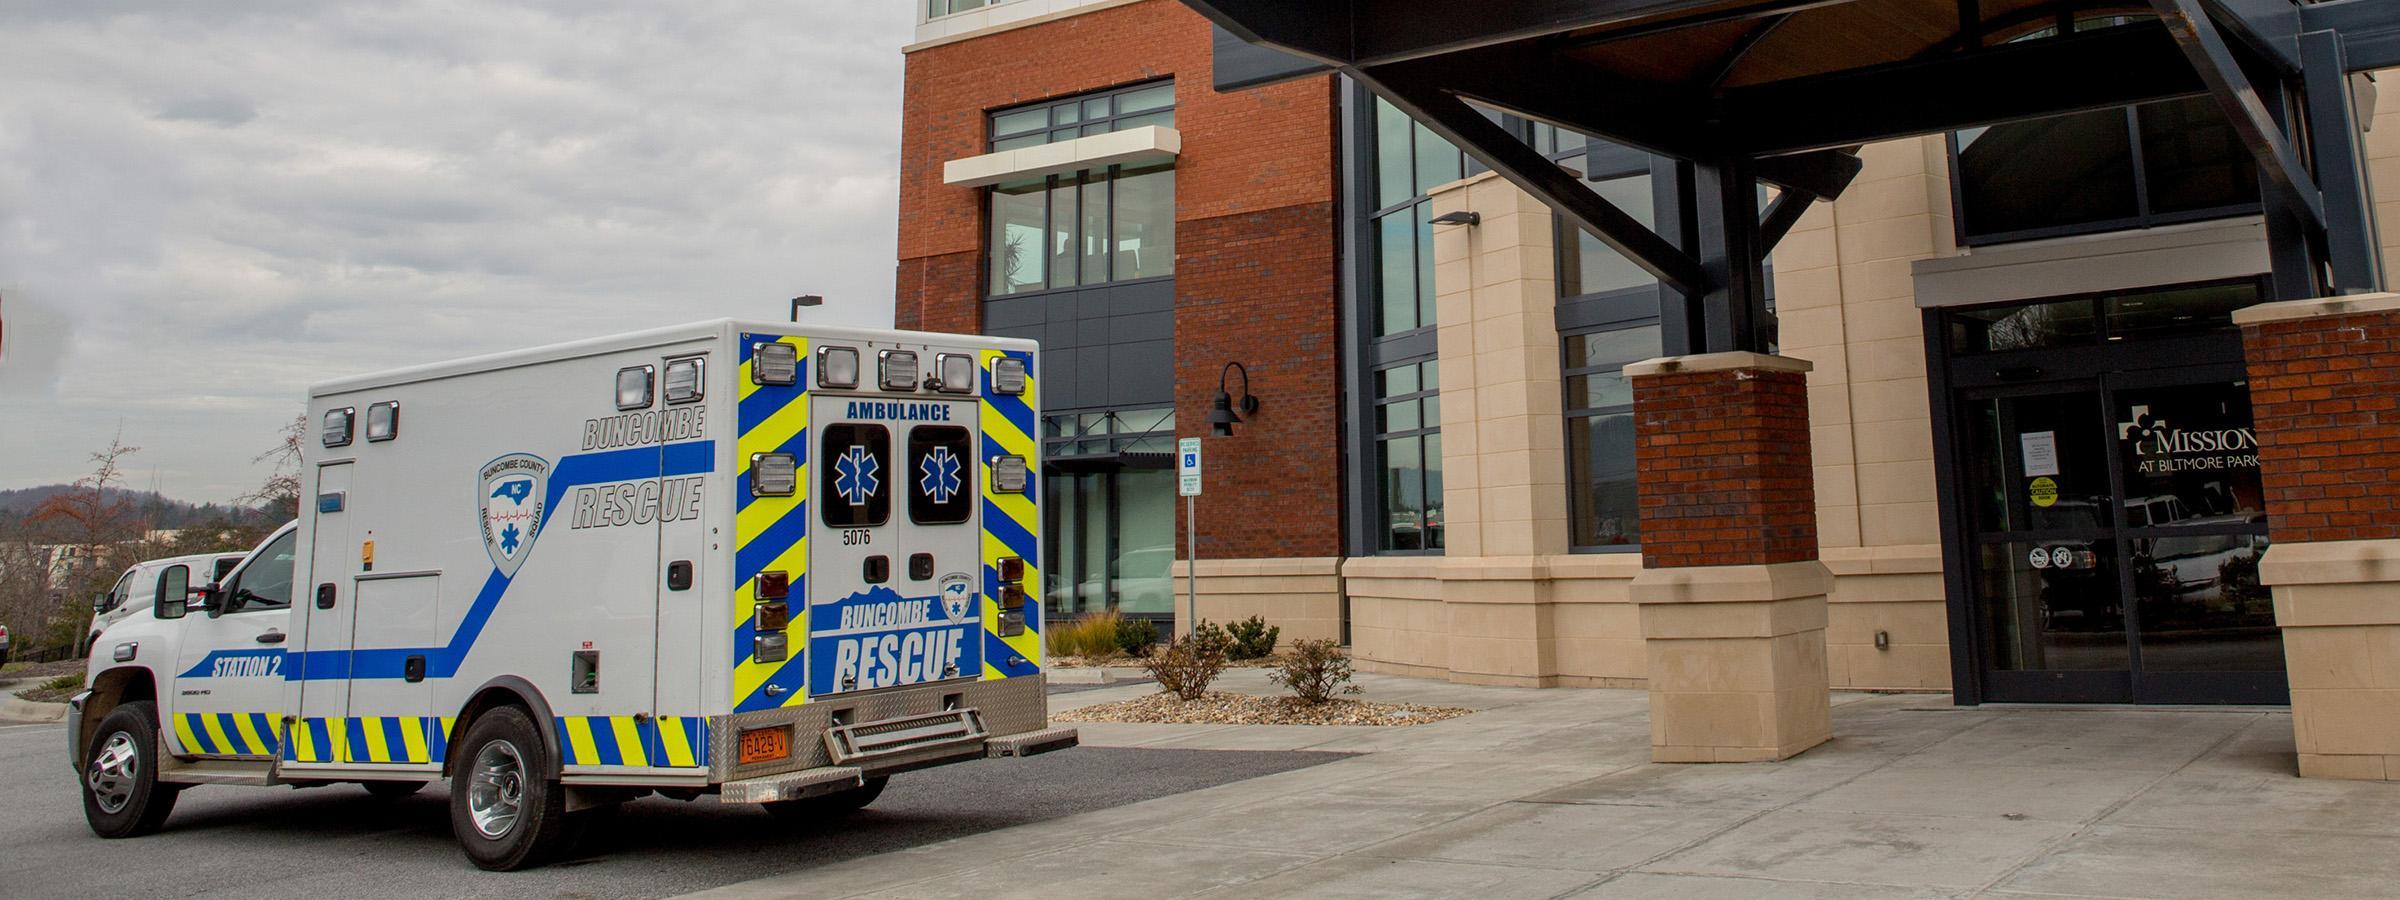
391	790
499	780
122	796
829	806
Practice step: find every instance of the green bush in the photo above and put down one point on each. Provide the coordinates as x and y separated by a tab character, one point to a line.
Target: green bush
1253	638
1134	636
1091	636
1315	671
1187	666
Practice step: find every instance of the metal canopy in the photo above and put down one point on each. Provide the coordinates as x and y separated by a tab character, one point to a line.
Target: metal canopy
1781	92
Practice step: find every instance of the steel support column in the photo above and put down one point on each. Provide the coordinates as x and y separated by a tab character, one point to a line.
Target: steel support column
2352	248
1732	252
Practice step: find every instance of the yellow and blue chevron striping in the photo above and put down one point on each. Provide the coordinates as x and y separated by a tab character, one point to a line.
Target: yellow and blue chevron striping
227	734
668	741
401	740
770	533
1011	522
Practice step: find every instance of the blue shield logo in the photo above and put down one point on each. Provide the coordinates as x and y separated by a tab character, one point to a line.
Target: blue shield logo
514	489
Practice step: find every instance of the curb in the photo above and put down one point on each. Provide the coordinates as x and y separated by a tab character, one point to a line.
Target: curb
14	707
1082	676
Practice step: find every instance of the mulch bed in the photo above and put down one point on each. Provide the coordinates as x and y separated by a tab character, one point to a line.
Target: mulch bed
1221	708
35	674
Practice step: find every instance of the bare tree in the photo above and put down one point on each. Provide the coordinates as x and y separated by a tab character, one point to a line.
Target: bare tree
97	535
279	496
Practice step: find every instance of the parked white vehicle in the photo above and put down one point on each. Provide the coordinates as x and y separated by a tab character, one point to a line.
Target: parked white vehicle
146	583
764	562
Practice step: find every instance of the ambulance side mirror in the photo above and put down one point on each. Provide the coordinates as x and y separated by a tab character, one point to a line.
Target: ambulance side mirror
174	593
172	606
212	600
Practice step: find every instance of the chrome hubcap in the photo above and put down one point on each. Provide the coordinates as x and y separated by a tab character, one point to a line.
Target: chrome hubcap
113	772
496	789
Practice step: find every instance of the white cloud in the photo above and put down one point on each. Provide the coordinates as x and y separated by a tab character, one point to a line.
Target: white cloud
206	207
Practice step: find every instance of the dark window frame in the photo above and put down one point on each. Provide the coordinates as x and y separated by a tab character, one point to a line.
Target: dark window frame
1428	467
883	487
994	137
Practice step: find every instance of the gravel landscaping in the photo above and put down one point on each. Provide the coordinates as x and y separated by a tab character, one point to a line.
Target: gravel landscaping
1221	708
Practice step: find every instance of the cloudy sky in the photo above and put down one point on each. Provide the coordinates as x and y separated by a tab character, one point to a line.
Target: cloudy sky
204	207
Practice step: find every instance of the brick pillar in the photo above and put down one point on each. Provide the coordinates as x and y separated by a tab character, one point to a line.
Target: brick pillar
1731	592
2325	400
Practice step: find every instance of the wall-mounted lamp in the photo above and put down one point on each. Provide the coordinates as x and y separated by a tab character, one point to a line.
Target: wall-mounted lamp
1459	217
805	300
1220	414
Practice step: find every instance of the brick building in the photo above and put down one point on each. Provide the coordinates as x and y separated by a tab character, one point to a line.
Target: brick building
2031	461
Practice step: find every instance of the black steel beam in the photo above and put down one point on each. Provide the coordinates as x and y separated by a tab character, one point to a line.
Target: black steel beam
1450	117
1734	308
1372	32
1237	64
2350	238
1564	93
1822	173
2269	28
2370	30
1780	216
2278	161
2021	80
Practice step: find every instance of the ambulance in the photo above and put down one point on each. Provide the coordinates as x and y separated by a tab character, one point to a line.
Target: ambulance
768	563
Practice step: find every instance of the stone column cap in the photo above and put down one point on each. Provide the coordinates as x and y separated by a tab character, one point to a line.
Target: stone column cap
1732	584
1717	362
2344	305
2330	562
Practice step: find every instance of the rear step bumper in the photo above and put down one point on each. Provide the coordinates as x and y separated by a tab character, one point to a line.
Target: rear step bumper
833	779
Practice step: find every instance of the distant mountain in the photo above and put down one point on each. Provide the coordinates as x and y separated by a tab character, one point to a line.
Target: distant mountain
157	510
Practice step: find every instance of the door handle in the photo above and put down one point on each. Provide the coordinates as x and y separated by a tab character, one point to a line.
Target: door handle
413	670
679	575
272	637
325	595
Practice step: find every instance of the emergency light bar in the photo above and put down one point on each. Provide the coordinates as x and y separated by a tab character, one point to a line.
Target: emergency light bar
776	364
899	370
338	423
683	380
383	421
774	474
633	388
1010	474
1008	375
837	367
954	373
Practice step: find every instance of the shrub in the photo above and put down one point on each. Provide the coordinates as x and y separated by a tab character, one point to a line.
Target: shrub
64	683
1253	638
1315	672
1092	636
1134	636
1185	667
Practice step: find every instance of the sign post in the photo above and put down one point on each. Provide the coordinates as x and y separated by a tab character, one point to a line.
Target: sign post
1187	470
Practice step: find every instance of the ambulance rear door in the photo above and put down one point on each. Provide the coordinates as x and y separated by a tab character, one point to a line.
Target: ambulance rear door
895	593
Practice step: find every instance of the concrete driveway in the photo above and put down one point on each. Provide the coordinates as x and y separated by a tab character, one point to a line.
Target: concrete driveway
1547	793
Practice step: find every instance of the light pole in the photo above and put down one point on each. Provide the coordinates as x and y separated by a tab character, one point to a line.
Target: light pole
805	300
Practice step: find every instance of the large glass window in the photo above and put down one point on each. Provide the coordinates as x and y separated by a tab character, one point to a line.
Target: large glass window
1410	161
2100	318
1115	223
2101	170
1408	452
1600	468
935	9
1110	536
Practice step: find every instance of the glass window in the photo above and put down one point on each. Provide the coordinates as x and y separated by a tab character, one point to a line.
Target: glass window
1095	229
1408	453
1156	96
1113	110
1602	504
2192	160
267	583
1438	163
1396	271
936	9
1017	259
854	484
1393	161
2177	310
941	472
2023	326
1063	247
1595	267
2047	174
1145	216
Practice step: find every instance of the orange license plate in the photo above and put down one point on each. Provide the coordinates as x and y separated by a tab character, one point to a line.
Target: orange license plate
766	744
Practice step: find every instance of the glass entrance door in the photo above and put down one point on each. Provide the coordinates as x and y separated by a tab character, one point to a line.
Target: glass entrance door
2116	527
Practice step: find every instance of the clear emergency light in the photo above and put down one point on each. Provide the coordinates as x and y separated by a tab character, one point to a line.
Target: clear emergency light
774	474
954	373
1010	474
383	421
338	424
899	370
837	367
775	364
683	380
633	387
1008	375
771	647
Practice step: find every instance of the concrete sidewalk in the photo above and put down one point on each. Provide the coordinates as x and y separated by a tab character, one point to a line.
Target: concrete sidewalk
1546	793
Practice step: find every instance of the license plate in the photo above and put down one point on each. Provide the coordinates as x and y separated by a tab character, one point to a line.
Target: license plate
766	744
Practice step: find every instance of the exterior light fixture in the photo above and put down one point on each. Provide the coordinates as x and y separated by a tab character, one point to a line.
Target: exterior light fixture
1008	375
683	383
383	421
804	301
837	367
633	387
1459	217
1221	416
775	363
338	425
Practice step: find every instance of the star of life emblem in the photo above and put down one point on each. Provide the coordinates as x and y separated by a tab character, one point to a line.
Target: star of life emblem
855	475
513	491
938	475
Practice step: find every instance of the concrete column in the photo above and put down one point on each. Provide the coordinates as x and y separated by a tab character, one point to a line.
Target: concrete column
1732	595
2325	399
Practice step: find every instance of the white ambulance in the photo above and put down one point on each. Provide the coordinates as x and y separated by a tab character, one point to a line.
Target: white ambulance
771	563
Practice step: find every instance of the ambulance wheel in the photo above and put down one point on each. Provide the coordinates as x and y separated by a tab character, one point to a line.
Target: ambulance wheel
828	806
391	790
506	813
122	796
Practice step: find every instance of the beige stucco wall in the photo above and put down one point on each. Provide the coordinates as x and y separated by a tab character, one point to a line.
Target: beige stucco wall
1302	595
2383	166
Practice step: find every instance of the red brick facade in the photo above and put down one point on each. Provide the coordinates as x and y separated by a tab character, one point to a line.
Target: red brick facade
1723	468
2325	398
1255	269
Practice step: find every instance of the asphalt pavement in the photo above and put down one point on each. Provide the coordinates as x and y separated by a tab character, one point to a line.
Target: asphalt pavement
338	842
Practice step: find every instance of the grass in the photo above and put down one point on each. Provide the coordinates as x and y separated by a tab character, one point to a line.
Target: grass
1092	636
